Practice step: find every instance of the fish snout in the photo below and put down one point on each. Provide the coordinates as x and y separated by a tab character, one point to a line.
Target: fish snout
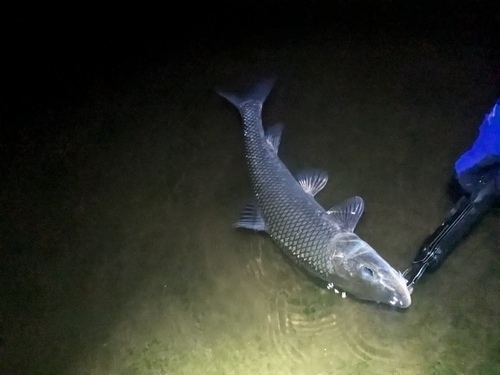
400	294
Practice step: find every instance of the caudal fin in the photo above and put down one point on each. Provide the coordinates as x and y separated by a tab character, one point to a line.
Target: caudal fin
258	93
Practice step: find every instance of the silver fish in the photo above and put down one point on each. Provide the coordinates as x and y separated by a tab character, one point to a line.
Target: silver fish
322	242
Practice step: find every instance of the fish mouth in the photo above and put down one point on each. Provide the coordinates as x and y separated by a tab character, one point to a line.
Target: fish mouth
401	296
401	301
392	286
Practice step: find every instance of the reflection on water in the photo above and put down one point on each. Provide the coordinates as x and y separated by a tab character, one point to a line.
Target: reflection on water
121	255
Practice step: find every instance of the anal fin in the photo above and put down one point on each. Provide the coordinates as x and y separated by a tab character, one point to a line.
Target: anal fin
273	136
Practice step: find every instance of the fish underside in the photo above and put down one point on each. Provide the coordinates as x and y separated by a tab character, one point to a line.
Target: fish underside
321	241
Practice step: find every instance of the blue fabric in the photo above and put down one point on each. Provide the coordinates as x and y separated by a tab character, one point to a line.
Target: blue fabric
484	154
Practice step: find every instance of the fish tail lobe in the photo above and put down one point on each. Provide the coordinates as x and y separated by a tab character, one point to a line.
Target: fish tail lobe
258	93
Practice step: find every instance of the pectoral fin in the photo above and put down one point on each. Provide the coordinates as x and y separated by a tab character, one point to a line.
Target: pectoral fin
348	212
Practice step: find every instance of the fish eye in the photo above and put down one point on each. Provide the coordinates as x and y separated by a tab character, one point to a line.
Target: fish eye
366	273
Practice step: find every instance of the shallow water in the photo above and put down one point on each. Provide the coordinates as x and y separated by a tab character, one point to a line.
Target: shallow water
121	256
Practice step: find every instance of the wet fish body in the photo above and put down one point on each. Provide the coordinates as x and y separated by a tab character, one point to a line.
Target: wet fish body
321	241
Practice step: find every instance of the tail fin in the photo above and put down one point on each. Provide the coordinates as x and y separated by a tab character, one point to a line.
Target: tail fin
258	93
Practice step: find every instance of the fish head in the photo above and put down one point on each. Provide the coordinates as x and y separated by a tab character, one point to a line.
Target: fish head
360	270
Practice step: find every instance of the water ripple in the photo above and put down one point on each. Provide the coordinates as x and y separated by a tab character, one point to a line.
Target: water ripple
304	321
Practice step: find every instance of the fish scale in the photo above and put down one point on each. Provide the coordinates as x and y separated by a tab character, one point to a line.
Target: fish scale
293	218
322	242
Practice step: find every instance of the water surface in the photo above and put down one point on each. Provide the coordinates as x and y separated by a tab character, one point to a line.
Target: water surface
120	256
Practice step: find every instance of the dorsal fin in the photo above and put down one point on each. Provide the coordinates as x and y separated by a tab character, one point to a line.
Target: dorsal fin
250	218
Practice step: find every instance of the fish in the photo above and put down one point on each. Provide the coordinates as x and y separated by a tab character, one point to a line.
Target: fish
321	242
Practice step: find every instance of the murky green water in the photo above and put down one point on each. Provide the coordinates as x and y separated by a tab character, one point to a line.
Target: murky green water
119	252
